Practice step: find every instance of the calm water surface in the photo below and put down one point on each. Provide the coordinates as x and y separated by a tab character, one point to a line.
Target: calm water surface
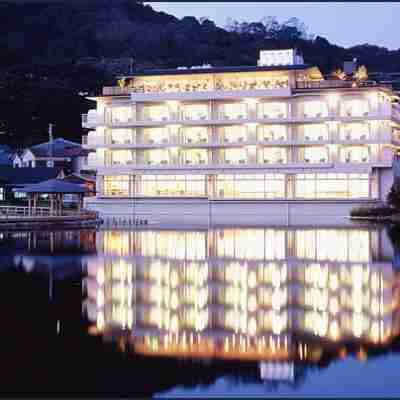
225	311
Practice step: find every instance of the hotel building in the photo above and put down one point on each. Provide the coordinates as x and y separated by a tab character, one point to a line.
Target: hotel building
259	294
268	139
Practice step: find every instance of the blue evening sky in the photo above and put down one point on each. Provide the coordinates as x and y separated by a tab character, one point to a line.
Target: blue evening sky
345	24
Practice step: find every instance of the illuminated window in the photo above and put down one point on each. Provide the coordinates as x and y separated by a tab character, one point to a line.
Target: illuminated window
253	83
116	185
355	131
268	155
313	155
196	134
121	114
232	111
234	156
271	132
155	113
156	157
233	134
354	108
194	156
121	136
173	185
251	186
272	110
195	111
315	109
354	154
313	132
155	135
122	157
340	186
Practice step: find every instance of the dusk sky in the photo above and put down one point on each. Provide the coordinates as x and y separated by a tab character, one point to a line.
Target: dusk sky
345	24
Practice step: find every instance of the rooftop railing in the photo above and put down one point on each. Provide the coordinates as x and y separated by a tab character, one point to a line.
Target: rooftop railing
332	84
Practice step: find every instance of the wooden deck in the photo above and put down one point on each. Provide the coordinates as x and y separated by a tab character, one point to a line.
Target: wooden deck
23	216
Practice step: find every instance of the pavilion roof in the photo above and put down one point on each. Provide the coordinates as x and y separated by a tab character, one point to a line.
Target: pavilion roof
54	186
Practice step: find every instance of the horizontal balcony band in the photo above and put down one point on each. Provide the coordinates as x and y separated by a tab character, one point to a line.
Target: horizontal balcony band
236	121
240	168
264	143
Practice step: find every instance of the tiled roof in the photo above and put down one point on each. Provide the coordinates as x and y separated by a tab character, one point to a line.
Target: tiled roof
60	148
53	186
23	176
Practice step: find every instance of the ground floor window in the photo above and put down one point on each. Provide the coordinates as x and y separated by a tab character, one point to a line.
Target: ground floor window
241	186
19	195
172	185
328	186
258	186
116	185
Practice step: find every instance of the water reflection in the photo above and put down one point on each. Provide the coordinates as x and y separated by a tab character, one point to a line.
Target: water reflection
283	298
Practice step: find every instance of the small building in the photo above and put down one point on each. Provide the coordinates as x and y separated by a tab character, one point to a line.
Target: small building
85	181
11	179
61	153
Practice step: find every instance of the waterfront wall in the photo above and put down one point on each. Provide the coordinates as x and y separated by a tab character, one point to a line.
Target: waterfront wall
183	211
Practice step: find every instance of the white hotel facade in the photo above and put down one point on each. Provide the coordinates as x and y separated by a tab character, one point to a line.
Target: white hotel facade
275	140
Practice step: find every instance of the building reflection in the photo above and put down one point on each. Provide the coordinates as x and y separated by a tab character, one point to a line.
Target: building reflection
281	297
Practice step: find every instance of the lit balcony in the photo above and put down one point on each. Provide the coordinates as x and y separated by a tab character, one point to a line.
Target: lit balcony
122	158
272	110
233	134
122	115
313	155
313	133
156	136
194	157
267	133
121	137
355	154
355	108
313	109
195	112
92	119
271	155
233	156
232	111
355	131
195	135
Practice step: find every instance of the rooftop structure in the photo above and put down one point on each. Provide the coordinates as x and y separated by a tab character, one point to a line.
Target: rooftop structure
274	134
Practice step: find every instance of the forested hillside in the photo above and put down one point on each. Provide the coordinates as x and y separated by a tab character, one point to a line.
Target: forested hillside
49	52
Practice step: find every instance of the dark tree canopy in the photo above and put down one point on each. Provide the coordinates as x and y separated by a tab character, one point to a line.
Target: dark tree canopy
50	51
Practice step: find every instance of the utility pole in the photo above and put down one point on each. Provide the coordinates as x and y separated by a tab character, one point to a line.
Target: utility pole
51	140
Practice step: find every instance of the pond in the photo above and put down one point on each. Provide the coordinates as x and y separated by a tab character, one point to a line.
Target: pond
250	311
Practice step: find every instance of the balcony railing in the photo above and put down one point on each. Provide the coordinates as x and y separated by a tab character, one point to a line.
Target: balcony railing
84	139
332	84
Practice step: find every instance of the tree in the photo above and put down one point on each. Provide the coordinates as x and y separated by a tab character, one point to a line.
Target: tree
393	197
